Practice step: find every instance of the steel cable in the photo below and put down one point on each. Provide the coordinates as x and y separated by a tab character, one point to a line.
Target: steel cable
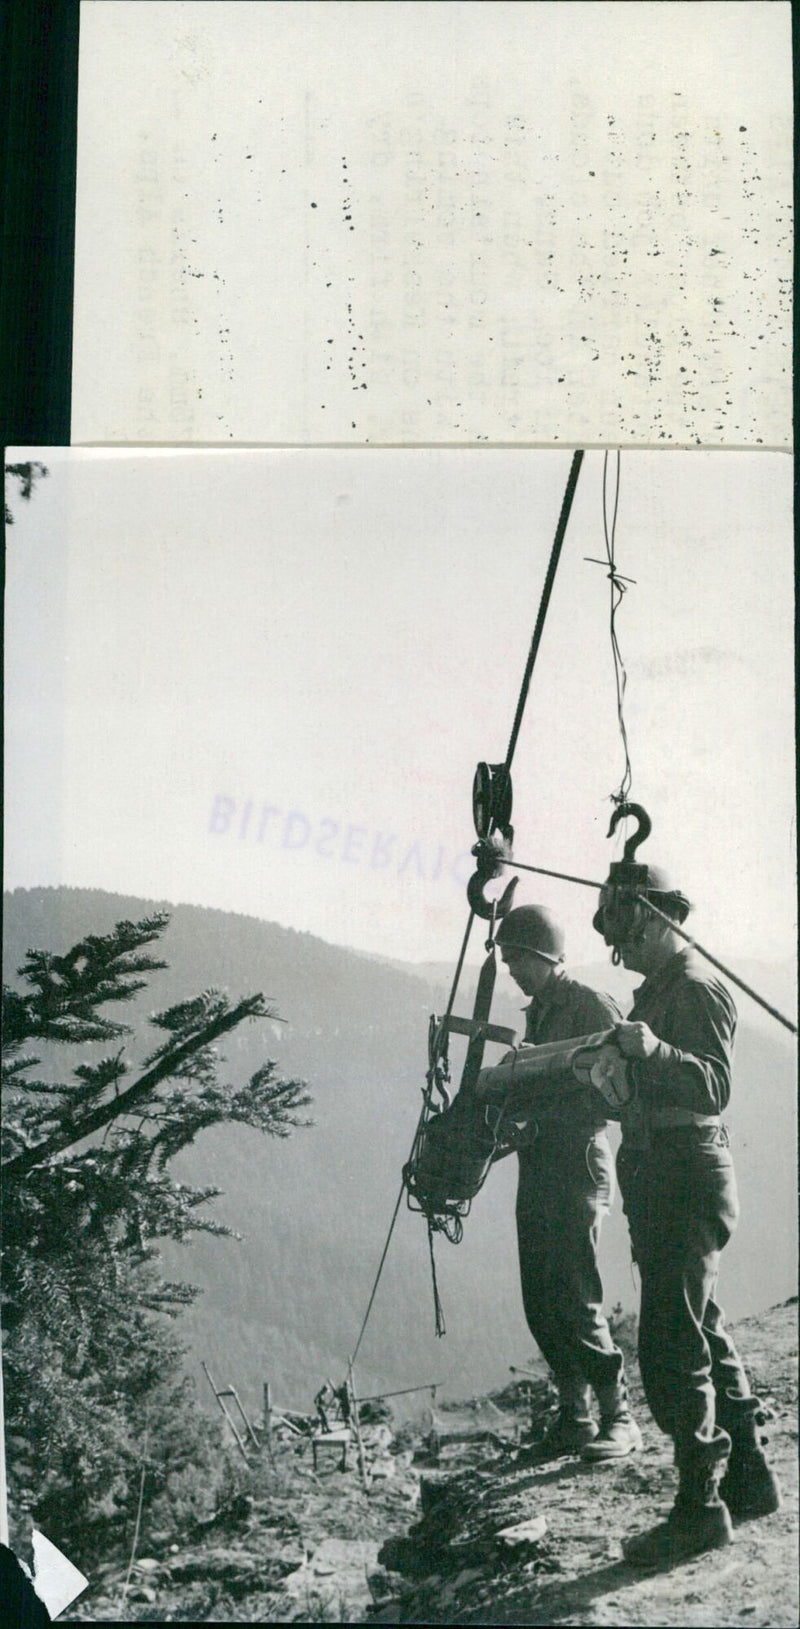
552	565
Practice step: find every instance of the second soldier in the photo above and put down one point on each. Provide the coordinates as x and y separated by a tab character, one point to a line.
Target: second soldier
566	1188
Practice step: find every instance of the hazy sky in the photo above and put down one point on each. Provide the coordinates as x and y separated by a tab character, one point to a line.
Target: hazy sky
261	681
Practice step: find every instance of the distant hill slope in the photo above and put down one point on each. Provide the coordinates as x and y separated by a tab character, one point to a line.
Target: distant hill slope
286	1304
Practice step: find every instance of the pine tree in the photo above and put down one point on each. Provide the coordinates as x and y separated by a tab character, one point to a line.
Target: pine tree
88	1196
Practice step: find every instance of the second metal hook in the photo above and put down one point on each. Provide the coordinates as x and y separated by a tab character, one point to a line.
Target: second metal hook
622	811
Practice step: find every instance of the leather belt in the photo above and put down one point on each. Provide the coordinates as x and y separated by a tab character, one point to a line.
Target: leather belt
661	1119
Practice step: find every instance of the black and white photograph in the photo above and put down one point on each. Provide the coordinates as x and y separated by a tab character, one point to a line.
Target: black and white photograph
294	738
399	1123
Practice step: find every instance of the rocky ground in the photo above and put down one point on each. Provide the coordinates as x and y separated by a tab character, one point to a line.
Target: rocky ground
456	1525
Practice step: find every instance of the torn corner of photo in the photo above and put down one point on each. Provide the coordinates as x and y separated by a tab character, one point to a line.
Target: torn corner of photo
56	1580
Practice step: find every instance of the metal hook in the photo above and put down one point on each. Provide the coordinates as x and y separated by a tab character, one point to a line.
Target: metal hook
622	811
490	864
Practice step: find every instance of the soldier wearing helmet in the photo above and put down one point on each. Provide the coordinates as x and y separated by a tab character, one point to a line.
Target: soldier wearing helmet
679	1190
566	1186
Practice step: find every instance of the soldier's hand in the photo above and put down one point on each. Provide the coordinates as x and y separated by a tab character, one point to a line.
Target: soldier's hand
636	1040
484	1082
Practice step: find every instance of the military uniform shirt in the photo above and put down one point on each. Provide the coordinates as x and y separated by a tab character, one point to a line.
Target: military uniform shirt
694	1017
562	1011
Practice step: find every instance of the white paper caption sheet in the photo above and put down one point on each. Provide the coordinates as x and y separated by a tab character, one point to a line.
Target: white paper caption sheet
453	223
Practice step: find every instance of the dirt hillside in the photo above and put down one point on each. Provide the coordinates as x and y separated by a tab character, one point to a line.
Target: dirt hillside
423	1541
574	1573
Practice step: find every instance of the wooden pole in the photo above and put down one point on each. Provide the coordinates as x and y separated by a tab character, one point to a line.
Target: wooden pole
362	1464
290	1425
379	1396
230	1391
228	1417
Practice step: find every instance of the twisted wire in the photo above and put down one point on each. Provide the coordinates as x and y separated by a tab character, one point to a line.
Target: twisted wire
618	586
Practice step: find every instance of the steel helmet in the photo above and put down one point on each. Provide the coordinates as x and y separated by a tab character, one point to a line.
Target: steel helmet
532	927
663	892
659	887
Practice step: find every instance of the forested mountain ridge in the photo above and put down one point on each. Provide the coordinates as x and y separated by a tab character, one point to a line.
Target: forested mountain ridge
286	1304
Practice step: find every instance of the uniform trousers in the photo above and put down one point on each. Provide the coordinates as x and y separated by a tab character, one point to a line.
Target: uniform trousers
566	1187
679	1195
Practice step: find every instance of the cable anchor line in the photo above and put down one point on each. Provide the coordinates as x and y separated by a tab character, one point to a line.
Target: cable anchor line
734	977
626	893
642	899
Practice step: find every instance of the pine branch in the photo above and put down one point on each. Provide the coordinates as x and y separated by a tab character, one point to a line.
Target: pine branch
65	991
168	1065
12	1070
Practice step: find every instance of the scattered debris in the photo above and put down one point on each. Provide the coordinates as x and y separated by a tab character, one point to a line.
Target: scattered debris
339	1570
523	1534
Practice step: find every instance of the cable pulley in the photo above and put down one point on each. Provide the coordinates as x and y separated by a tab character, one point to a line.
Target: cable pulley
492	799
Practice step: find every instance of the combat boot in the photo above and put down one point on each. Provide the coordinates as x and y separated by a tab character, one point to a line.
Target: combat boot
572	1427
749	1487
699	1520
619	1434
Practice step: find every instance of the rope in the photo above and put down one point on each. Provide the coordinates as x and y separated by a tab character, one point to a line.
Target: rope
425	1105
137	1527
618	586
441	1326
380	1265
585	882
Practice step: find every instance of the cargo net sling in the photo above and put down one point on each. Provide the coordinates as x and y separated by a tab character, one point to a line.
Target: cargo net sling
457	1143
